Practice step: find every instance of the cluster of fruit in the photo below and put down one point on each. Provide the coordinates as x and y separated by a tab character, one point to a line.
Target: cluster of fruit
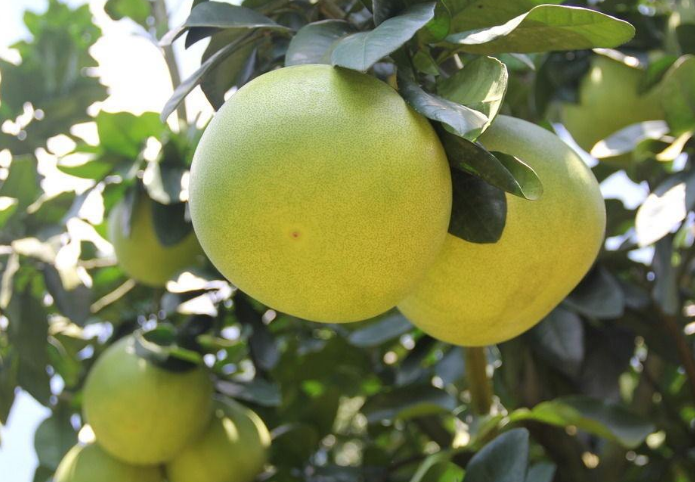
153	424
321	193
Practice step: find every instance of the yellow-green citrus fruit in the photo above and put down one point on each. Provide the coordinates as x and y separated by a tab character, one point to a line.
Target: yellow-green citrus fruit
141	255
92	464
481	294
233	449
321	193
143	414
609	100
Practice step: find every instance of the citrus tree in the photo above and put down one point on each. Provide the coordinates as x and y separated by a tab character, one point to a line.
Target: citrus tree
440	303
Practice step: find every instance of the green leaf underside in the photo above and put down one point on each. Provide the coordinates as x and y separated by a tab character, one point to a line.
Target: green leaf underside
597	417
313	43
481	85
462	120
547	28
505	459
362	50
222	16
627	139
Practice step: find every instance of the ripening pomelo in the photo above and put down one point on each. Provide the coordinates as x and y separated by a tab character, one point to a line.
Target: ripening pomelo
90	463
234	448
609	100
141	413
481	294
321	193
140	254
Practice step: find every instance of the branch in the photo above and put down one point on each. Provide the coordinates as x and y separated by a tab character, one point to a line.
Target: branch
478	381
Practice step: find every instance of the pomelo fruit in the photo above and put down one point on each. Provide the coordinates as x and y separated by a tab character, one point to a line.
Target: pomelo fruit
609	100
232	449
90	463
321	193
140	413
481	294
140	254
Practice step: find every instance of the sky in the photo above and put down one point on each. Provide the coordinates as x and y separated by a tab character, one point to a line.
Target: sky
138	81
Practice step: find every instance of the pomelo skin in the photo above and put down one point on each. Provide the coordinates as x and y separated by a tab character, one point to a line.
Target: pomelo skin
141	255
92	464
609	100
143	414
321	193
481	294
232	449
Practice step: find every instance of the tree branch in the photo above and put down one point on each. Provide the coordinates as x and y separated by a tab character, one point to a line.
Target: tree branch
478	381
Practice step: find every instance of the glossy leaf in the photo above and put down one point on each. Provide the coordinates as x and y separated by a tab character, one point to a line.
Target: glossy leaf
559	338
545	28
362	50
505	459
678	95
408	402
54	437
628	138
313	44
598	295
380	331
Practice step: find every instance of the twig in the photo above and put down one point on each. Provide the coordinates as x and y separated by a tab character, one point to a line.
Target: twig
684	352
478	381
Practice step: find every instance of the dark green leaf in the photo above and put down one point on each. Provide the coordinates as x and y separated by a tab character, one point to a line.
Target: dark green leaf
597	417
234	71
502	171
547	28
665	290
541	472
628	138
452	366
314	42
263	350
22	182
8	385
474	14
362	50
505	459
380	332
598	295
162	181
125	134
408	402
559	338
73	301
257	391
223	16
385	9
8	206
480	85
479	210
43	474
55	437
463	121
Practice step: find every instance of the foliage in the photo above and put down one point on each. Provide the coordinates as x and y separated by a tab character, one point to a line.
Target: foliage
602	389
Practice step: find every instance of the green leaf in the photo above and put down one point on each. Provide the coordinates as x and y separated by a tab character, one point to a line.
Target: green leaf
665	208
43	474
438	468
502	171
8	385
380	332
223	16
479	209
192	82
666	291
22	182
293	444
137	10
125	134
55	437
627	139
547	28
559	339
678	95
163	181
603	419
170	223
463	121
541	472
385	9
8	206
257	391
474	14
314	42
95	168
505	459
362	50
480	85
599	295
408	402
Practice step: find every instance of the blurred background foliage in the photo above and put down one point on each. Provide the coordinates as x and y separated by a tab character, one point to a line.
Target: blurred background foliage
603	389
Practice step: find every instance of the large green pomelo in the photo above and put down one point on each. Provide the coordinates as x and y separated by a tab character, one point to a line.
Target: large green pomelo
92	464
141	255
481	294
609	100
321	193
233	449
143	414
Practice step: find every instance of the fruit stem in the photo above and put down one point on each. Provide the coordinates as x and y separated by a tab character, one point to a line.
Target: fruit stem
479	383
